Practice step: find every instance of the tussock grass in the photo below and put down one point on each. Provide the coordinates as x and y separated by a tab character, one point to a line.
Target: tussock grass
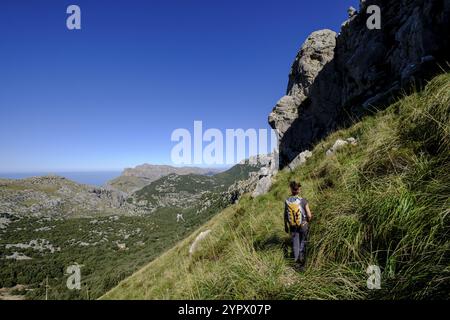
383	202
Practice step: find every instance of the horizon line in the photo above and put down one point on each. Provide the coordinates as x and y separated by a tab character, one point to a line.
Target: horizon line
25	171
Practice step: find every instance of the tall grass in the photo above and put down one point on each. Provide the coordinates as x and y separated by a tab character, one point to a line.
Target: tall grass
383	202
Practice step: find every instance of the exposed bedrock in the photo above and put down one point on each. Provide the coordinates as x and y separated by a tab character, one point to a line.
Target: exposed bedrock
336	79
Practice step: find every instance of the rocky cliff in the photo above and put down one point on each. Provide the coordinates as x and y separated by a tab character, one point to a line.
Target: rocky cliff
337	78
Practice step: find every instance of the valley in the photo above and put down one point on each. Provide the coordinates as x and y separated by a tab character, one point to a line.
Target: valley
49	223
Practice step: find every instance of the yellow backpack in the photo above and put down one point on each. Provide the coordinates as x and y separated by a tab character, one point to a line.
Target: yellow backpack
295	215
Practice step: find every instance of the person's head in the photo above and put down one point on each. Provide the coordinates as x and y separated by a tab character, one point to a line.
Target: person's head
295	187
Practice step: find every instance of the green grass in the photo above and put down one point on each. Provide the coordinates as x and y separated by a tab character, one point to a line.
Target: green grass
383	202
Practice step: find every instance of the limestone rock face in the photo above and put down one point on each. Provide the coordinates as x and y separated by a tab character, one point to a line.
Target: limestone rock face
335	80
258	182
317	50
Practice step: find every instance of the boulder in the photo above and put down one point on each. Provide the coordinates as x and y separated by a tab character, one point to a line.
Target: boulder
300	159
197	240
262	187
339	144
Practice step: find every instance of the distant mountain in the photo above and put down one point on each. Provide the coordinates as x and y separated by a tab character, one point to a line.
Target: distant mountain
48	223
59	197
55	196
189	190
133	179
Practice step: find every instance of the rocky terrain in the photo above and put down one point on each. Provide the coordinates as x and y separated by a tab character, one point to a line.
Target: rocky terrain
48	223
199	191
133	179
58	197
54	196
337	78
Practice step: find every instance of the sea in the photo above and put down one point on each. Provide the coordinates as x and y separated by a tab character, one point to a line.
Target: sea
94	178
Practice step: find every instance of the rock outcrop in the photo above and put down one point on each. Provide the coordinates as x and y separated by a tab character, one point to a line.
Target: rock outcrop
336	79
316	52
257	183
339	144
197	241
300	159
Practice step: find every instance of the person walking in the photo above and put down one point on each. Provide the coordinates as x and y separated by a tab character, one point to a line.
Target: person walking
297	216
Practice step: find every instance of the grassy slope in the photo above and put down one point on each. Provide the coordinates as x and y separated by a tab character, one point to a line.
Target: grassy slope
384	202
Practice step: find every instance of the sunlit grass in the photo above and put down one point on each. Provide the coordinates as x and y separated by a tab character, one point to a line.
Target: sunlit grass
383	202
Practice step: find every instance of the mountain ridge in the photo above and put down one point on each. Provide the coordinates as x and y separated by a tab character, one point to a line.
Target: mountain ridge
48	222
133	179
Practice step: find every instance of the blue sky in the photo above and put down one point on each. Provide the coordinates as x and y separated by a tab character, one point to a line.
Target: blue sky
109	96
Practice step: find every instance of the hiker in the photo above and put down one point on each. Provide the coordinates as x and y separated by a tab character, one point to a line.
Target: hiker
297	215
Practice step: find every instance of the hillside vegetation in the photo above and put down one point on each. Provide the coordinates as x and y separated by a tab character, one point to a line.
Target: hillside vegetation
382	202
190	186
50	223
134	179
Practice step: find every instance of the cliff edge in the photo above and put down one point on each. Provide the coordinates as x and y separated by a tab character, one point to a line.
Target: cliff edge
337	78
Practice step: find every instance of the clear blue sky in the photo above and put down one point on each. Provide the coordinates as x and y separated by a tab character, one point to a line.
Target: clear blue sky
109	96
